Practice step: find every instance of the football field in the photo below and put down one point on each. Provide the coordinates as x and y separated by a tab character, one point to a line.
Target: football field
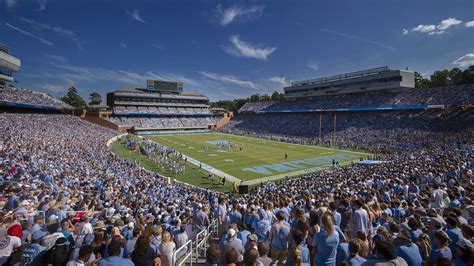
253	160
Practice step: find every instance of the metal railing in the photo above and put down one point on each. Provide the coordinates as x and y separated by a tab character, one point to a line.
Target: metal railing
201	242
214	228
181	255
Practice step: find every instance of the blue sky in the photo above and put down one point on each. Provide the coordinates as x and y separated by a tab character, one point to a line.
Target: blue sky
228	49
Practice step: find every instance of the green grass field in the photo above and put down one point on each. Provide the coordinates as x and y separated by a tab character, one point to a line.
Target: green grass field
193	174
259	159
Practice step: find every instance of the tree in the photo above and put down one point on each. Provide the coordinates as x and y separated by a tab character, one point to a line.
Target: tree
95	98
264	98
420	82
467	76
276	96
255	98
455	76
74	99
440	78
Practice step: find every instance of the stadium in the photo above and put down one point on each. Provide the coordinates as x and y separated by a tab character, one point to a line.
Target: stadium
365	167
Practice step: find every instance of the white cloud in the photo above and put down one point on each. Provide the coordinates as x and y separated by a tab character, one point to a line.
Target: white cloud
11	3
77	74
157	46
42	5
465	60
312	65
360	39
245	49
135	15
54	89
424	28
229	80
470	24
29	34
405	31
436	29
446	23
57	29
57	58
123	45
280	81
231	14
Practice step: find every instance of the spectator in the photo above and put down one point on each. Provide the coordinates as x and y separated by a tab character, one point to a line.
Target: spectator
114	258
327	241
386	255
213	255
167	248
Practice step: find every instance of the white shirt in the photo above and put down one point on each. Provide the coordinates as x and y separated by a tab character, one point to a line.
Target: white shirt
438	195
87	229
7	244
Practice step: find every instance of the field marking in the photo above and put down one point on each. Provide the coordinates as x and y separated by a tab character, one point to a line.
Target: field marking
309	152
349	151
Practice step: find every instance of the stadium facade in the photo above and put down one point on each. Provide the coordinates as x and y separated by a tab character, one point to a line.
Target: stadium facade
8	64
158	98
161	105
375	79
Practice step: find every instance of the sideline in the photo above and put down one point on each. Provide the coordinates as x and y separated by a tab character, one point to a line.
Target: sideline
113	139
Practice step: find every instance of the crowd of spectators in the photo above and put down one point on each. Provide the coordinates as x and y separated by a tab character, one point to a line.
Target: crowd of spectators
67	200
369	130
64	194
153	110
449	96
164	122
24	96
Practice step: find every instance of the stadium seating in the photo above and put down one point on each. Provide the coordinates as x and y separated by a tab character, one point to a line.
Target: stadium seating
12	95
164	122
449	96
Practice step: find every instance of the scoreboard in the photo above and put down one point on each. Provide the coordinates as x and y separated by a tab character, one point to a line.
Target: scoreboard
167	86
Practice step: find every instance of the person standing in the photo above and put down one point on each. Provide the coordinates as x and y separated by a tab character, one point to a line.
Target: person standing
279	238
327	241
360	218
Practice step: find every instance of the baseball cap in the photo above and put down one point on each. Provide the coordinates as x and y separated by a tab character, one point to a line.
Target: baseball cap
231	232
62	241
38	234
465	244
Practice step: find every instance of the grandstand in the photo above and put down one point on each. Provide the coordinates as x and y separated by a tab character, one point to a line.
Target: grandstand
8	64
352	120
375	79
161	106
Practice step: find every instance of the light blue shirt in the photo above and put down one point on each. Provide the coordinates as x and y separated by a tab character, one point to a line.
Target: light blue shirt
327	248
411	254
280	236
115	261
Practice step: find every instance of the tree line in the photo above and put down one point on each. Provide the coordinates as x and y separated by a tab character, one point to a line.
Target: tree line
445	77
75	100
